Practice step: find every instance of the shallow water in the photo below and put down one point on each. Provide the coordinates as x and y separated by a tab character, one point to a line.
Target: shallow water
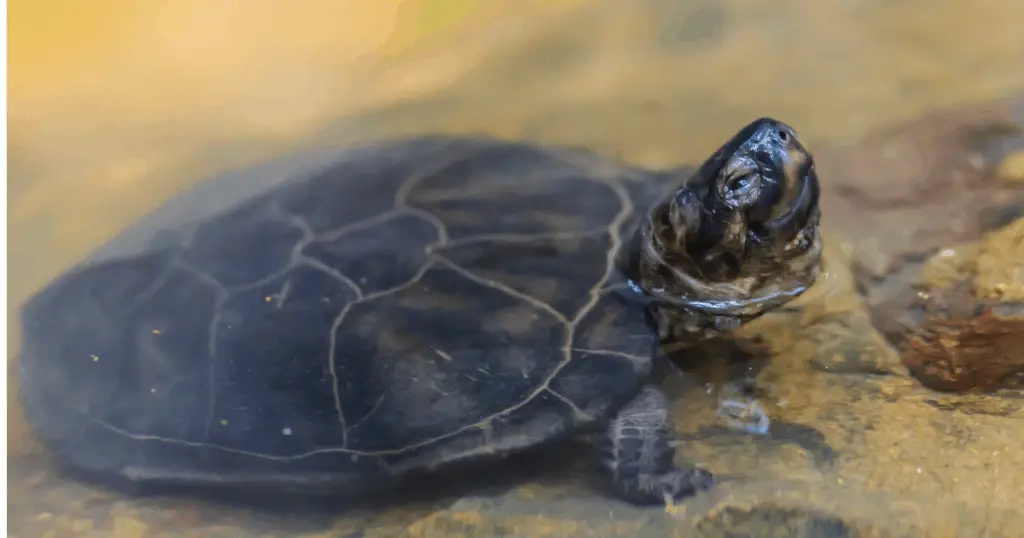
116	108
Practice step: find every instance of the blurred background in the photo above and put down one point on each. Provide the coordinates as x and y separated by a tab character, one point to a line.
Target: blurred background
116	105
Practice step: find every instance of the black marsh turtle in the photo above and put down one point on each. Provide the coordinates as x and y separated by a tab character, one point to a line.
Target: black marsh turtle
344	318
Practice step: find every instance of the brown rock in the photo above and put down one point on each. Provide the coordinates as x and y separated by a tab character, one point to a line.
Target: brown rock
968	351
960	323
938	286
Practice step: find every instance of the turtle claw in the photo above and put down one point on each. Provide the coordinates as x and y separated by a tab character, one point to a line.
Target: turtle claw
682	482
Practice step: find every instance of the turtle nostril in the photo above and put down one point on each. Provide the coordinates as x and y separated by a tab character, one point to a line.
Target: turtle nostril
763	159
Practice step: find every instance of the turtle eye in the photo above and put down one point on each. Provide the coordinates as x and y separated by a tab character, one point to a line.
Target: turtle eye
742	192
739	182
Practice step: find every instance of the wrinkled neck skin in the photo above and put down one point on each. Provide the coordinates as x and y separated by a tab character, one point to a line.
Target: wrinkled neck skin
673	282
709	267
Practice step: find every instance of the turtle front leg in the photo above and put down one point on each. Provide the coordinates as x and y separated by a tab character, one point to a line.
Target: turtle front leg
635	451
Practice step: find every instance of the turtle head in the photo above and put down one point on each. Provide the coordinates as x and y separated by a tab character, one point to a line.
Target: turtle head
757	197
740	235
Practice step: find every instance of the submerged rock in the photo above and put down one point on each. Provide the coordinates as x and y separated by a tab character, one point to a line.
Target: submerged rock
963	326
982	351
902	194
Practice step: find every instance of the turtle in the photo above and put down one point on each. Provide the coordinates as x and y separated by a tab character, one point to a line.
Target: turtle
346	317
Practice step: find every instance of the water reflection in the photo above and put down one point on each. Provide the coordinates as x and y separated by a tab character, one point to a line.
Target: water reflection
116	108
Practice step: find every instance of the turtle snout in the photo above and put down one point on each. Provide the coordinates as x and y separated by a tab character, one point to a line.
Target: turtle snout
777	134
789	192
777	148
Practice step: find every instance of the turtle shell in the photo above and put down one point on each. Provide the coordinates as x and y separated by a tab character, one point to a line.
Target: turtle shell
344	317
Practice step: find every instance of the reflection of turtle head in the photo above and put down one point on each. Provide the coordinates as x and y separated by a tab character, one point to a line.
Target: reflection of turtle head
744	227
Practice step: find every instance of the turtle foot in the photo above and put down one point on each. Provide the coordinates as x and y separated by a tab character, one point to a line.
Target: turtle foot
680	482
638	455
